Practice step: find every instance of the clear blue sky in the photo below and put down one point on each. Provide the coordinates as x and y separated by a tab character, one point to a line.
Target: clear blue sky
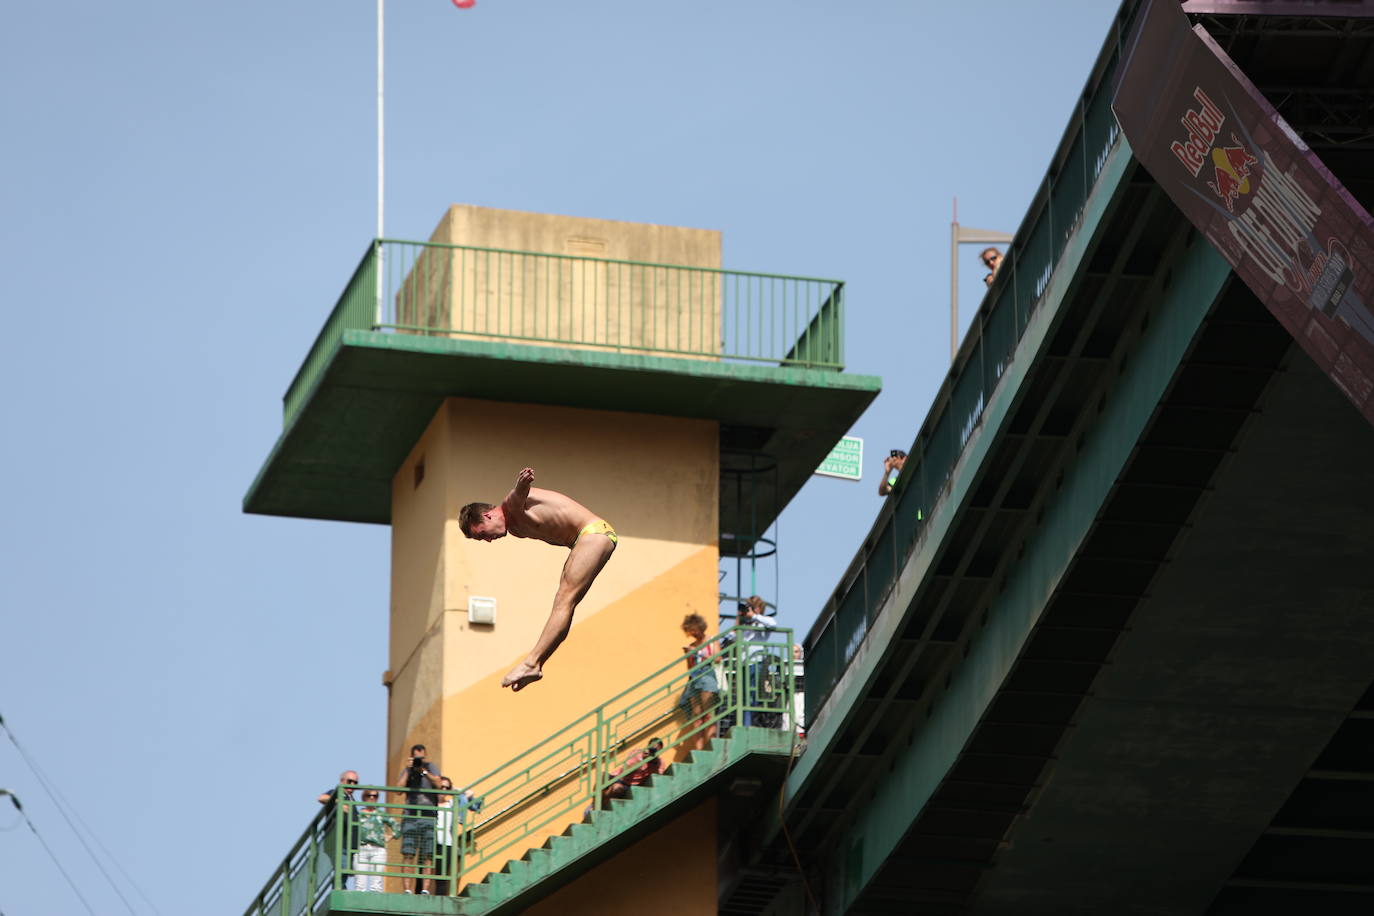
187	186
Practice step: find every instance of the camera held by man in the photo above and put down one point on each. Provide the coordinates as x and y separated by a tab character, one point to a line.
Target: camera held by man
892	469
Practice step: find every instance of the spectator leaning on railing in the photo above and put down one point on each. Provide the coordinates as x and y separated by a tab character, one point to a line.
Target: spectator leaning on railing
992	259
892	469
328	798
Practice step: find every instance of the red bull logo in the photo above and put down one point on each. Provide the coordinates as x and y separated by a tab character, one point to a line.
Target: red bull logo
1231	165
1203	126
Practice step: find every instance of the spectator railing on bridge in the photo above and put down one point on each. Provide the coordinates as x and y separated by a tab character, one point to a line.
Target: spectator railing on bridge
459	291
1017	290
557	782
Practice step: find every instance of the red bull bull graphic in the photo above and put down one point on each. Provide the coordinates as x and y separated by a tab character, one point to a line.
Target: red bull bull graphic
1251	185
1232	165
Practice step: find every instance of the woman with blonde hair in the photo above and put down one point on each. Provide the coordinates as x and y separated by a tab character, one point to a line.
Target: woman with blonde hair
698	699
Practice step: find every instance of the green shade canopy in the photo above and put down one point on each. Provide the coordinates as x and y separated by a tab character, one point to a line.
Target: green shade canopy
378	392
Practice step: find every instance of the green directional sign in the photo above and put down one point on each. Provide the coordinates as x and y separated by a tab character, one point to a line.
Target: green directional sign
846	460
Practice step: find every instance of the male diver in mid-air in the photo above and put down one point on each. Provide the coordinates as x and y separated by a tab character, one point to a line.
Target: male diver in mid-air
551	517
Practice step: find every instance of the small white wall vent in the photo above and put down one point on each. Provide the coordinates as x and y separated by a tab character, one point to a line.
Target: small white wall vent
481	610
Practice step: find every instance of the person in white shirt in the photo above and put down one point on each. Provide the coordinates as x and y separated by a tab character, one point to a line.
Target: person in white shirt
444	842
448	832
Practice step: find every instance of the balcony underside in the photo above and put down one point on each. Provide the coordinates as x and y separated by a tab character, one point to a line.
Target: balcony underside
378	392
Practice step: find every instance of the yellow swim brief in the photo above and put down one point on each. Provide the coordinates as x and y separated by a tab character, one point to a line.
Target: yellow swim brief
600	526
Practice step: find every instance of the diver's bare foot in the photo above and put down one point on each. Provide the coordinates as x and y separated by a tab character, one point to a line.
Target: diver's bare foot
521	676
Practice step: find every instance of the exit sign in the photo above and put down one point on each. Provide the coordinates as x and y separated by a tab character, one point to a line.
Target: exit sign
845	460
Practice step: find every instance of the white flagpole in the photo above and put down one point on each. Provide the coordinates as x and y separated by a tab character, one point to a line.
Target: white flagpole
381	154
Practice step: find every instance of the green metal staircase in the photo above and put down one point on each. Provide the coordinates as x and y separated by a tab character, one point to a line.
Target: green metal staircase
537	822
606	832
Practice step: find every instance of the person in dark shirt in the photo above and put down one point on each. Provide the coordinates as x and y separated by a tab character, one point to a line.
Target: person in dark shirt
420	778
329	798
992	260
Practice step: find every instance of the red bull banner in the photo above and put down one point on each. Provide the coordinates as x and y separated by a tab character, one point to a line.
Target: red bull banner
1248	182
1344	9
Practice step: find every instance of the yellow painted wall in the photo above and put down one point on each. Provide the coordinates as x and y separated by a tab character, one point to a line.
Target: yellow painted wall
671	872
654	478
414	674
586	296
517	230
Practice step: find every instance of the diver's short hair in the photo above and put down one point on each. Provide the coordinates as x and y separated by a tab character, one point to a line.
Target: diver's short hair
471	514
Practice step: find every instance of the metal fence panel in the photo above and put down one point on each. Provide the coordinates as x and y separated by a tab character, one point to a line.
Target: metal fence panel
465	292
967	399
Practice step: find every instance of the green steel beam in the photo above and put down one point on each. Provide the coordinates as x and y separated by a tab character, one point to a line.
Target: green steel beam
883	819
827	723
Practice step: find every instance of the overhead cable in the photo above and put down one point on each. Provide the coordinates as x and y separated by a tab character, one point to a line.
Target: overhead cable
62	807
70	883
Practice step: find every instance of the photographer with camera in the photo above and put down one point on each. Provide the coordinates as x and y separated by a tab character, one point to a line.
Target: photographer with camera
892	469
420	778
758	660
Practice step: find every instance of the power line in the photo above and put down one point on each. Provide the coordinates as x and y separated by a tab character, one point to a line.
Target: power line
62	805
70	883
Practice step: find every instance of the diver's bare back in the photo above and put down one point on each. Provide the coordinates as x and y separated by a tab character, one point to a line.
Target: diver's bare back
548	516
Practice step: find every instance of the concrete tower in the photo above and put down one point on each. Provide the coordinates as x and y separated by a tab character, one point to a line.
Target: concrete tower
632	373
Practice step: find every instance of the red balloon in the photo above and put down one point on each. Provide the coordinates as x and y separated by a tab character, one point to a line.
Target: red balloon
465	4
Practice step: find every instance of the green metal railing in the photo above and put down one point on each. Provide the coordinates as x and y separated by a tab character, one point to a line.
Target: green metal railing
559	781
1054	216
463	291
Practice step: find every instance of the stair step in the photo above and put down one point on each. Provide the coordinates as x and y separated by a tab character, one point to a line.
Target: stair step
518	870
500	884
539	861
565	852
479	891
580	839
